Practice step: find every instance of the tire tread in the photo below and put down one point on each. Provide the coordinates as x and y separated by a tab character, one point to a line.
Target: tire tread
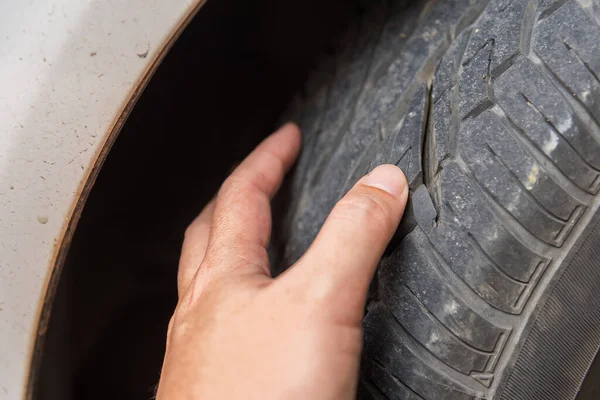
492	109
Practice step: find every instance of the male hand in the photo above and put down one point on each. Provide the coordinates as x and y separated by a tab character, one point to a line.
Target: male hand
237	333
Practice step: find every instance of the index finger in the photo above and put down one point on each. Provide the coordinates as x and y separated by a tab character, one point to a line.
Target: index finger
242	221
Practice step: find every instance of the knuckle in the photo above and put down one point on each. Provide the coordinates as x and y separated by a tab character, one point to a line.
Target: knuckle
231	185
321	291
274	164
239	188
189	231
365	208
171	326
262	174
193	229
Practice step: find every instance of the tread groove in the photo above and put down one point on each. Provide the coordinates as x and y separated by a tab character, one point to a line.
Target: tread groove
557	132
579	109
506	219
455	97
441	325
528	193
478	109
458	285
480	249
513	225
550	10
373	389
407	151
592	8
491	41
541	158
380	365
537	273
431	360
527	25
502	339
578	57
428	142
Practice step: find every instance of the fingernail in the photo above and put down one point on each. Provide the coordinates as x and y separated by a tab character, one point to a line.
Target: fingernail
388	178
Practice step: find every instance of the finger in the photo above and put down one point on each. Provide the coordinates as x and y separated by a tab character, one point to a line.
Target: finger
242	221
342	259
194	247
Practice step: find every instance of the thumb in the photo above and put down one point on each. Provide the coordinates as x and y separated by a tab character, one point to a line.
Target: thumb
340	263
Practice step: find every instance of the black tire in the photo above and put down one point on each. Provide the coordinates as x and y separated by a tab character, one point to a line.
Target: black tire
492	109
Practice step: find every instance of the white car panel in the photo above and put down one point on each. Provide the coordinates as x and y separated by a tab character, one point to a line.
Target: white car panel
68	69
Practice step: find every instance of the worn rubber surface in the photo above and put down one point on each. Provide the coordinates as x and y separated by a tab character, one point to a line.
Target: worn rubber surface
492	110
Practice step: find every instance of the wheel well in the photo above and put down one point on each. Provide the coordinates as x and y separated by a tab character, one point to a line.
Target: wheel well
221	88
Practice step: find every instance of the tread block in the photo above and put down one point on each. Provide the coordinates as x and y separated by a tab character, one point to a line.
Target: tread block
510	111
348	83
393	39
439	319
406	145
446	73
408	266
501	25
389	345
473	94
469	238
391	387
466	259
565	42
401	146
529	99
495	176
533	177
424	327
547	7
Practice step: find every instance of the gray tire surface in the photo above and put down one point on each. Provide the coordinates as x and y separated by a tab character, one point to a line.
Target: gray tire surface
492	109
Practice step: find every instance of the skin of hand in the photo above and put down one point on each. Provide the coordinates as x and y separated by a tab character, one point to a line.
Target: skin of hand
237	333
